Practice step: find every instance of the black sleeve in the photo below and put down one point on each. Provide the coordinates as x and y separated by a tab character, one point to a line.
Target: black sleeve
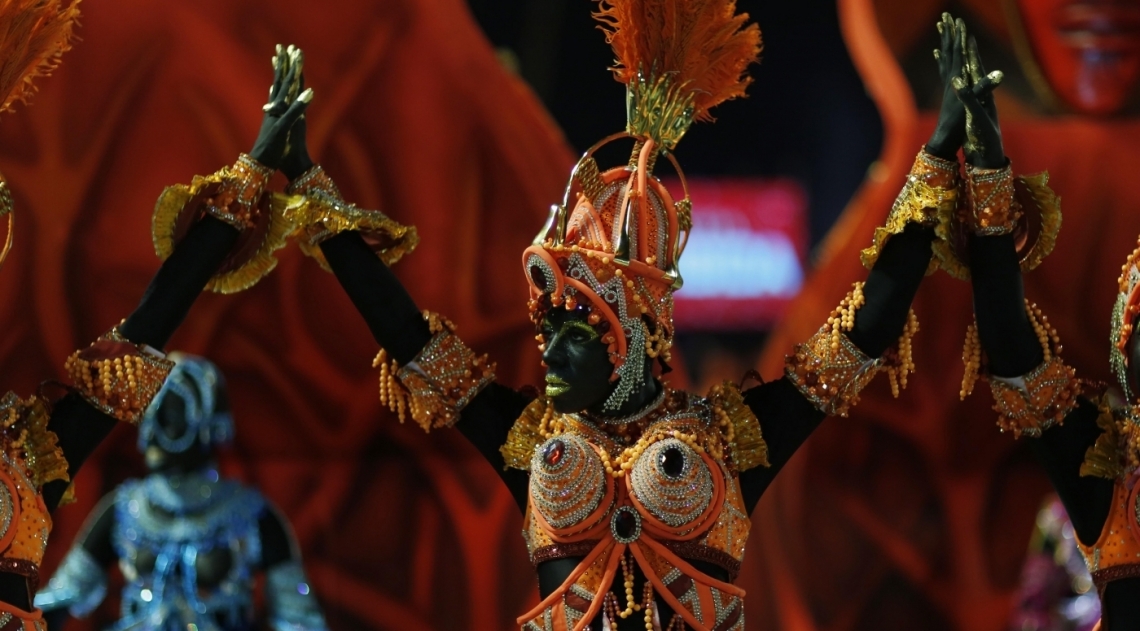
786	420
79	426
485	422
398	327
786	417
1012	350
890	288
276	538
381	299
95	537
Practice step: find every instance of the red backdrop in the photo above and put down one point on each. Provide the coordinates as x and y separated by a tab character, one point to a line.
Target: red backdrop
414	115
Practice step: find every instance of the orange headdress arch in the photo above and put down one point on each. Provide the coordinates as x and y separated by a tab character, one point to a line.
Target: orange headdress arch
615	251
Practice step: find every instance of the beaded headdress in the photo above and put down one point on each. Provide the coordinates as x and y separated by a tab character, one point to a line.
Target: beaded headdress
33	36
613	245
200	389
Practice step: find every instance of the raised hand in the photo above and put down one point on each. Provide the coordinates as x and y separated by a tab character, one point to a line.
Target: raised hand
974	89
951	129
297	161
286	105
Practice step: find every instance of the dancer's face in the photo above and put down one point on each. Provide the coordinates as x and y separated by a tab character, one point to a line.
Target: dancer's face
1089	51
171	418
578	366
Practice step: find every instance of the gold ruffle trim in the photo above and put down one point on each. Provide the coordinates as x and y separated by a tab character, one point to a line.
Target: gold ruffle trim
29	439
918	202
1049	209
1103	459
170	206
528	432
317	216
740	427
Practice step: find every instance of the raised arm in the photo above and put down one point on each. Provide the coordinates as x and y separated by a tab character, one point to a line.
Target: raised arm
79	585
871	330
358	246
218	217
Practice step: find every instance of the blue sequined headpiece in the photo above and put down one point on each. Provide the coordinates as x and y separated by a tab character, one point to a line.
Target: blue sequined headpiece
197	382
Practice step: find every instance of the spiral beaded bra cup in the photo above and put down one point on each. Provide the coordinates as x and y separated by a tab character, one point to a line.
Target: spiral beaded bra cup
655	499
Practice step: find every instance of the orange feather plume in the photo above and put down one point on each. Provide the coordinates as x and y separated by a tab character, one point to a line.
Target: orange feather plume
33	36
703	44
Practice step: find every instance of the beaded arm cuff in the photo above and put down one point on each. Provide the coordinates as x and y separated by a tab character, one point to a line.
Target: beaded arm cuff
1034	402
233	195
323	213
929	195
118	377
439	383
1001	204
830	370
992	207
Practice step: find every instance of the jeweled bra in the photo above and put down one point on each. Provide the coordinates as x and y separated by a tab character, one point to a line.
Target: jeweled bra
660	491
169	597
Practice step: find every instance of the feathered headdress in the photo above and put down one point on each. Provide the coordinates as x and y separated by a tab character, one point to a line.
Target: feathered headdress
33	36
612	247
678	59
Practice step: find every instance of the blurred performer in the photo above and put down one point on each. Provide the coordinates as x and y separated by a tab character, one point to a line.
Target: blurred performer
1056	592
44	442
188	542
636	496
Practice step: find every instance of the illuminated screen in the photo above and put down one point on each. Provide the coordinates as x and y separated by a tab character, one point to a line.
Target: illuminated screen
744	259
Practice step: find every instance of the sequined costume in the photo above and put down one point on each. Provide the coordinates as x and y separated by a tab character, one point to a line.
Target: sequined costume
188	543
638	519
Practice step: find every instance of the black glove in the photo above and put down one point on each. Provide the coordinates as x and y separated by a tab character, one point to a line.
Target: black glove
287	104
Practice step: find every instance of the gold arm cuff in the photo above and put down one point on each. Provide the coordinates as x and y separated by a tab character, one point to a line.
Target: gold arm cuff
740	427
233	195
24	423
1036	401
830	375
324	214
990	194
529	431
1038	208
930	194
118	377
436	386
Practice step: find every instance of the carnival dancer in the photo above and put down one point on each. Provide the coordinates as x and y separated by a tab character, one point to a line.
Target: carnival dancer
189	541
636	496
44	441
1086	435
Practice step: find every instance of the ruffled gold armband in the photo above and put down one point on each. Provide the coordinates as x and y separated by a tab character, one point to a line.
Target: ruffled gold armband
118	377
929	196
739	427
1036	401
830	371
999	203
27	439
323	213
530	430
436	386
234	195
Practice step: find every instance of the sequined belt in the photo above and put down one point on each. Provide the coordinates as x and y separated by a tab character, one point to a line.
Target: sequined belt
30	571
684	549
1101	578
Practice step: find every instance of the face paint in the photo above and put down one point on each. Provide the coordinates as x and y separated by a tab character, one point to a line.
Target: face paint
578	366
